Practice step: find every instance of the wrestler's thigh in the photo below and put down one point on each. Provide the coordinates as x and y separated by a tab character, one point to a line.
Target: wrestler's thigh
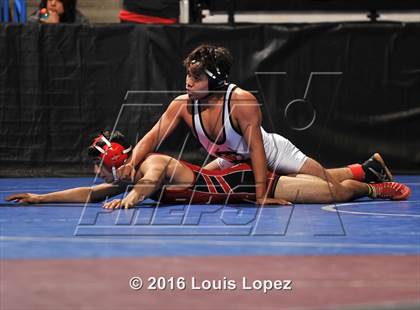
305	176
314	168
282	155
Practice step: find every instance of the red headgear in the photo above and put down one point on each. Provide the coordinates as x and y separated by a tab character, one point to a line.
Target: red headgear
113	154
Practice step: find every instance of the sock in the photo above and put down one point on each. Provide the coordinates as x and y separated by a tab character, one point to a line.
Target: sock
371	191
357	171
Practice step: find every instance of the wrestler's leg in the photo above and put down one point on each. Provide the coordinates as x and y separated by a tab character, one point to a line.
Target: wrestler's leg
315	190
372	170
341	174
361	172
312	167
344	190
284	157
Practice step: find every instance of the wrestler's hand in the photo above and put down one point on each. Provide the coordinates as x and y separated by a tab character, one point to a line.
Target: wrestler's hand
113	204
126	173
128	202
272	201
24	198
132	199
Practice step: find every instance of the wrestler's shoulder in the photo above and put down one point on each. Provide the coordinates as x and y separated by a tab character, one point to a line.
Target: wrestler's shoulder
239	93
181	101
157	158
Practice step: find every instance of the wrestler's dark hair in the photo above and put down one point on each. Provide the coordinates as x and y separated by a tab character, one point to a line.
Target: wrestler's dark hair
116	137
69	14
209	57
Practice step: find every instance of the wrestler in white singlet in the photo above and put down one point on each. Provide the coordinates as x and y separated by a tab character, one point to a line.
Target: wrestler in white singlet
282	155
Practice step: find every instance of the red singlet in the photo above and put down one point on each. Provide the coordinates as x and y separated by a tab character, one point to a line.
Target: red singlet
233	185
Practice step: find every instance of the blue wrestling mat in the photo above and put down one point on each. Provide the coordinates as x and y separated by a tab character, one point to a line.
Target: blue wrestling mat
88	231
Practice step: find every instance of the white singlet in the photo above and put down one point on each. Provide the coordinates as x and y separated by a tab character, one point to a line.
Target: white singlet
282	155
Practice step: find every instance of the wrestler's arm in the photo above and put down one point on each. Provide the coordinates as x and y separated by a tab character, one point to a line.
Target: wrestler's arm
153	172
78	194
162	129
248	115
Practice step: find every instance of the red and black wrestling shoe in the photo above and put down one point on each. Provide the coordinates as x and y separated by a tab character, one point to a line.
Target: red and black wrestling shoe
375	170
389	190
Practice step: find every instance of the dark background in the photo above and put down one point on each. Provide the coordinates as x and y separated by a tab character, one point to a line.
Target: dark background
306	5
61	84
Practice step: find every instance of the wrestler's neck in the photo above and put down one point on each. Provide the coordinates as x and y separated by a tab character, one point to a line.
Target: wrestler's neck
211	100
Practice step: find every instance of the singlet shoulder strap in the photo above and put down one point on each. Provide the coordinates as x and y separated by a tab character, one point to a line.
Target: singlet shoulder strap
227	109
196	122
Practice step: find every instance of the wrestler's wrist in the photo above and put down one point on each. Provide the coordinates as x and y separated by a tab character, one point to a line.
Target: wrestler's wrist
40	198
131	164
261	192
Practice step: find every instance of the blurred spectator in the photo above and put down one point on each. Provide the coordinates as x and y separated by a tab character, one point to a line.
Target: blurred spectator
150	11
58	11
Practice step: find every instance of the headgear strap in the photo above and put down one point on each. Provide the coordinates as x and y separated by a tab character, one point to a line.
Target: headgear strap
216	79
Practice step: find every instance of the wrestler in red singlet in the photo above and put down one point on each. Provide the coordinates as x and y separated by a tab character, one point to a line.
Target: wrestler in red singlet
232	185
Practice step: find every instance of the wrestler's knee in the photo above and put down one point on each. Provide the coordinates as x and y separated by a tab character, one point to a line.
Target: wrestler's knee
337	193
312	167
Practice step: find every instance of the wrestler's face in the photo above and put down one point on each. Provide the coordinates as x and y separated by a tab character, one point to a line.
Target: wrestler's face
55	6
103	173
196	83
